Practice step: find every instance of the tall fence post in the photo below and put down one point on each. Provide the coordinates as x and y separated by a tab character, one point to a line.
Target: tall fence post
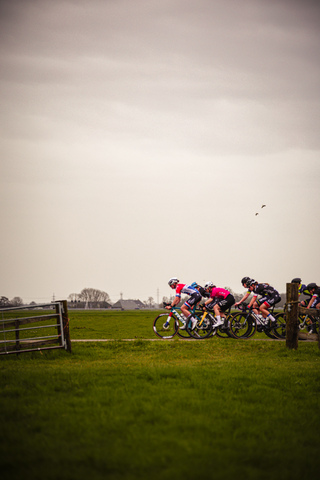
65	321
292	309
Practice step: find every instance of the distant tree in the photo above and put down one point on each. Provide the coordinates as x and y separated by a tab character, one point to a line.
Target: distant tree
168	299
237	296
92	295
4	302
16	302
74	297
150	302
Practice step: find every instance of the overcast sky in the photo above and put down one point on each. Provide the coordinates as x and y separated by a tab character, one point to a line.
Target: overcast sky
140	138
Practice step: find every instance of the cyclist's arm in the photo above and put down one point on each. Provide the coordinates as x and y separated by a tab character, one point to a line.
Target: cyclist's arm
175	302
254	298
243	299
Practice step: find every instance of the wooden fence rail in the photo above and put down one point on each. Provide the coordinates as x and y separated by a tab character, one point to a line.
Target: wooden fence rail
16	338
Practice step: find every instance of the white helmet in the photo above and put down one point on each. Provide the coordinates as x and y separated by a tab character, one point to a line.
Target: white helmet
173	280
208	285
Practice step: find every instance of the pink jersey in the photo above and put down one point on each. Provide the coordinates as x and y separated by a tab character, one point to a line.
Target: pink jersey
219	293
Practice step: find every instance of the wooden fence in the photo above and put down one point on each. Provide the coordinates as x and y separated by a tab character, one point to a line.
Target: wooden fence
292	312
44	330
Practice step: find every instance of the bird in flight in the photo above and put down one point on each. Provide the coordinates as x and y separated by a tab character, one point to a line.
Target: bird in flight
263	206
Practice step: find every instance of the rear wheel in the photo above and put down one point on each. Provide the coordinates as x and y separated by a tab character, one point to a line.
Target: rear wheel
203	327
224	330
165	326
182	331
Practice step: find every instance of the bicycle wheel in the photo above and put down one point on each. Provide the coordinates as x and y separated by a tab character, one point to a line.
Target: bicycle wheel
203	328
182	332
224	330
308	324
281	327
165	326
242	326
269	332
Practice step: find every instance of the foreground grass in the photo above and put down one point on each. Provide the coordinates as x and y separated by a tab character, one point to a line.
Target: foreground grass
219	409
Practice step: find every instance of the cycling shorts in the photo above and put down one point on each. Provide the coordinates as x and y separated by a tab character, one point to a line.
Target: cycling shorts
193	299
269	301
224	304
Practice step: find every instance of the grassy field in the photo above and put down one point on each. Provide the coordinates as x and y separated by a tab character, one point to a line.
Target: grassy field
216	408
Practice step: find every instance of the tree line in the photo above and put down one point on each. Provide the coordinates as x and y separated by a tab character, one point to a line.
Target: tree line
90	297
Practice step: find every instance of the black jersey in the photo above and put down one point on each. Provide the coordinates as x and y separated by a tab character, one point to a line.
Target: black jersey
265	290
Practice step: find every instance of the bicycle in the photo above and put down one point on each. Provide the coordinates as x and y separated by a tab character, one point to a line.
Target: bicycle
222	331
167	325
247	323
306	322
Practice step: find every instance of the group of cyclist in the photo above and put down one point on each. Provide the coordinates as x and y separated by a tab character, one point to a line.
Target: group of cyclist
264	296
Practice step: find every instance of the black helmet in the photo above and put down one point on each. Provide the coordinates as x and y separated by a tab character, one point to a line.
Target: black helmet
311	286
296	280
251	282
245	280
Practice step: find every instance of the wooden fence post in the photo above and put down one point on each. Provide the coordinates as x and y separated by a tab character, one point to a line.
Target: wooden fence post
292	316
65	321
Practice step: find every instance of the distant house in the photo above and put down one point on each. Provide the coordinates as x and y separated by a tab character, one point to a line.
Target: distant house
128	304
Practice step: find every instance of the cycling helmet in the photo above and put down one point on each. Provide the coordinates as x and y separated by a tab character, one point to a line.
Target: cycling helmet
311	286
251	282
296	280
208	285
172	281
245	280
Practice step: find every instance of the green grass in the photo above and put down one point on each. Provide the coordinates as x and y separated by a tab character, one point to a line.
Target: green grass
216	408
112	324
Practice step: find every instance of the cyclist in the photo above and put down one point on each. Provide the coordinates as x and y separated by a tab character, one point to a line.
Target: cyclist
315	299
220	300
302	290
269	297
245	283
194	298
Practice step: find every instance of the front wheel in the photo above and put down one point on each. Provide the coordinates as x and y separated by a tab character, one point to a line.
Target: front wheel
280	329
165	326
242	326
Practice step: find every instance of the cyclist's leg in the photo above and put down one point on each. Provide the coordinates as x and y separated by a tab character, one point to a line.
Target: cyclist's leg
187	309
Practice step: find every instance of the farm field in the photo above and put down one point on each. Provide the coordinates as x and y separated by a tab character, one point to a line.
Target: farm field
216	408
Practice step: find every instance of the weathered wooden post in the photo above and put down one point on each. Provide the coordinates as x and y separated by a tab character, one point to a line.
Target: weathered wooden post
65	320
65	323
292	316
